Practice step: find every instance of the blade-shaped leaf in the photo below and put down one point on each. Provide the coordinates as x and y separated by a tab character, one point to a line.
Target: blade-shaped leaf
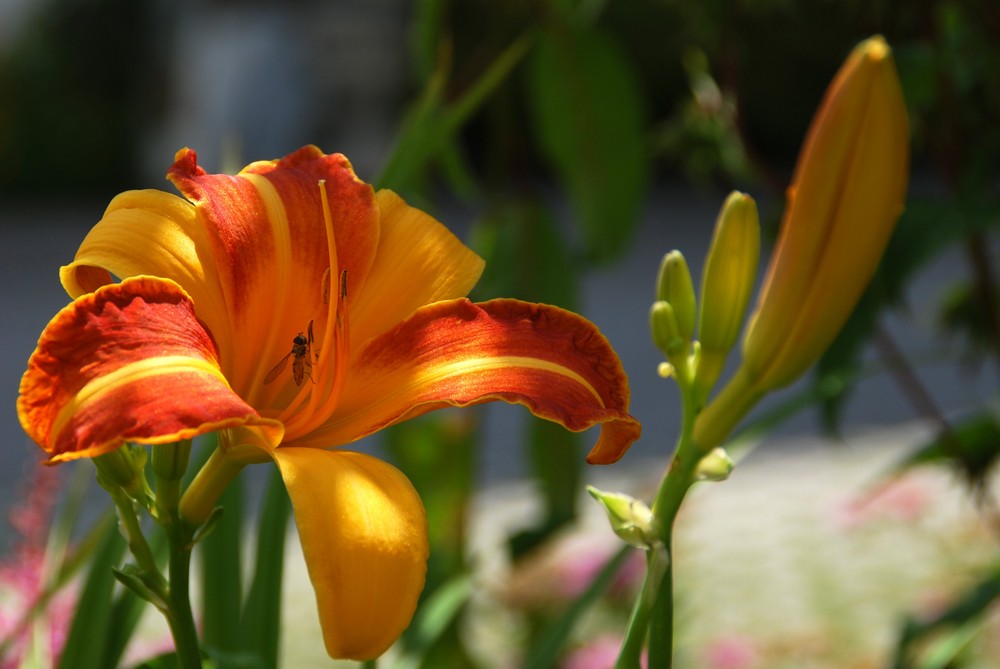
261	620
589	118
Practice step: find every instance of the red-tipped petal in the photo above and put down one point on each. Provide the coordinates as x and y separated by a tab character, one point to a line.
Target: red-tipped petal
129	362
457	353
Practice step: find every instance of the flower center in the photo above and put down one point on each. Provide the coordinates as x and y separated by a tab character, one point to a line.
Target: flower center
315	402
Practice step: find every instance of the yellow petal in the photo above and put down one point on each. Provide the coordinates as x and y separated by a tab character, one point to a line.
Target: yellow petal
364	537
149	232
418	261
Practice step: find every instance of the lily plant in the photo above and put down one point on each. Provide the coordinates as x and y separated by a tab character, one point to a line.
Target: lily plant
847	193
292	310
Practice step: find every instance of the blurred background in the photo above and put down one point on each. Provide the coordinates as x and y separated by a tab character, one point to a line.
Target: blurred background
570	142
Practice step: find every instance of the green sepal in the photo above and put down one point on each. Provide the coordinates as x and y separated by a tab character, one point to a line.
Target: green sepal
133	578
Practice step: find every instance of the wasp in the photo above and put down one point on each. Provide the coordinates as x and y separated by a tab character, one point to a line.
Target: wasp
301	356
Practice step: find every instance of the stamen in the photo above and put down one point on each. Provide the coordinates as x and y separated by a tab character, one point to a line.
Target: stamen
334	382
332	352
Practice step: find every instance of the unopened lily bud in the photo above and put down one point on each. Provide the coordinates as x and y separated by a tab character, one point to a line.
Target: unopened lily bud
726	283
631	519
663	327
170	461
123	468
847	193
716	466
674	285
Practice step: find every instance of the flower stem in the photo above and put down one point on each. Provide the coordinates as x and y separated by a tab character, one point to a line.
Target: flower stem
170	462
179	614
653	614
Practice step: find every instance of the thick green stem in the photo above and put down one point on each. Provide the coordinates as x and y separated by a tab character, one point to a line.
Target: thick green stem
169	464
179	614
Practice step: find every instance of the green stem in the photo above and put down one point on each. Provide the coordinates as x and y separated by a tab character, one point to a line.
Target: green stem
179	614
128	524
653	615
169	464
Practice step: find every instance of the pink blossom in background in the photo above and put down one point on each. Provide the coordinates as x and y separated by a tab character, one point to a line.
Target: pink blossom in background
600	653
901	500
731	652
22	573
562	570
580	559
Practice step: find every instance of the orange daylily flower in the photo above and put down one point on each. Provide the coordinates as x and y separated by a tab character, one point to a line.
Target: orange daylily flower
362	296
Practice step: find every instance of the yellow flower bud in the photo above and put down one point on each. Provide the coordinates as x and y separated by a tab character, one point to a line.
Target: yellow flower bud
847	192
674	285
726	283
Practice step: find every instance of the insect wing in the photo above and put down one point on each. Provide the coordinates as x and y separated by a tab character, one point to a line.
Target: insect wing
278	369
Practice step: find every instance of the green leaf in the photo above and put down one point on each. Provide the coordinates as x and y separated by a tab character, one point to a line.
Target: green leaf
589	120
90	627
553	640
972	447
428	131
434	618
261	620
126	611
526	255
556	463
954	622
221	566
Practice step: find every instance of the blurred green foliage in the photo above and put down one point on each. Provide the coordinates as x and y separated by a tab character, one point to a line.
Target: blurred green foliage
76	86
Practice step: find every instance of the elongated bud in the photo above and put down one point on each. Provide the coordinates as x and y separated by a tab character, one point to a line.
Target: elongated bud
674	285
848	191
726	283
631	519
663	327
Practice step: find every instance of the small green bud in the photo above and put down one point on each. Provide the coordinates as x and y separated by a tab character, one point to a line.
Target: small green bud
631	519
123	468
716	466
663	326
674	285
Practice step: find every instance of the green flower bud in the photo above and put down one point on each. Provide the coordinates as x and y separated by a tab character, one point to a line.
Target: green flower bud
730	273
716	466
674	285
123	468
663	326
631	519
726	283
